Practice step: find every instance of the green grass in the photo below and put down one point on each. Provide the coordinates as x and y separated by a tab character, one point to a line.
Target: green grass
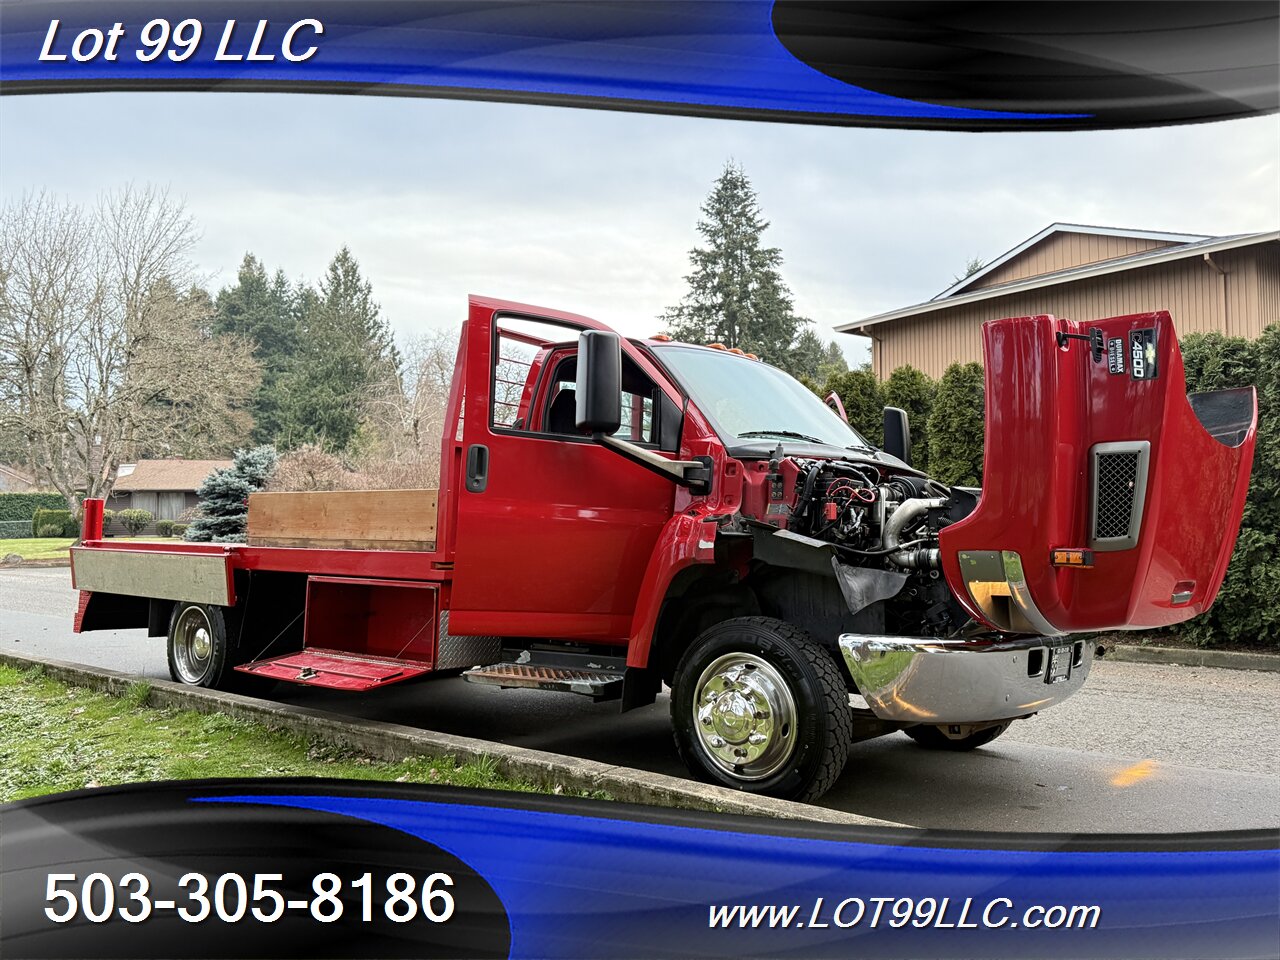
37	548
55	737
49	548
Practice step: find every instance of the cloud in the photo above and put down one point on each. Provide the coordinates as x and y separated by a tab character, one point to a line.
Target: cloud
594	211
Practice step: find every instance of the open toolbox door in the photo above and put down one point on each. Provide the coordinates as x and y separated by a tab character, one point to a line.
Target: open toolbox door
1111	499
359	634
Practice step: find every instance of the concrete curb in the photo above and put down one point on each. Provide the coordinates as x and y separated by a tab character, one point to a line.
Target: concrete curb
391	741
1192	657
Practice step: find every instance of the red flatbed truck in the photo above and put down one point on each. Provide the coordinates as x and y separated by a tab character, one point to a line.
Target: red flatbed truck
615	514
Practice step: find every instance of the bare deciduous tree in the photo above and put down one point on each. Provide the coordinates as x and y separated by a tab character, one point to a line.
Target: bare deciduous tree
105	349
404	416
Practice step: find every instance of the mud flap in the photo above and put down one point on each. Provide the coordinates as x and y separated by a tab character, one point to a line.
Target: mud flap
863	586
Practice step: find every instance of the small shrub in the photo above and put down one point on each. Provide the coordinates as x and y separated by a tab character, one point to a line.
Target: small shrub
64	520
178	529
164	528
224	496
135	521
108	518
49	530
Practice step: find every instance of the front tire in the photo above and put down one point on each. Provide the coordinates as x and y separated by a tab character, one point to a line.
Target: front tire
758	705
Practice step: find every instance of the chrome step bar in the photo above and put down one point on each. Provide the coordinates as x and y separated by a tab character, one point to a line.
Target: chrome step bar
597	684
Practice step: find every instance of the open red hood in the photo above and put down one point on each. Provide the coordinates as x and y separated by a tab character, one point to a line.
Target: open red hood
1094	447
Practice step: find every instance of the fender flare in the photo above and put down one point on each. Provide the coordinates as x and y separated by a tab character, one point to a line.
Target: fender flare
685	540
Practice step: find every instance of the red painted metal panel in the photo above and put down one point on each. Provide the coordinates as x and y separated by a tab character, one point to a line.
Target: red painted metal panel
369	617
81	607
1046	406
558	542
91	519
337	670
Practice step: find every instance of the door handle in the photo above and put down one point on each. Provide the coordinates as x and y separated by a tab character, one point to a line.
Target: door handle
477	468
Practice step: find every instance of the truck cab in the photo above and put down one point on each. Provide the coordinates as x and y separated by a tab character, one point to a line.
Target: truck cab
618	514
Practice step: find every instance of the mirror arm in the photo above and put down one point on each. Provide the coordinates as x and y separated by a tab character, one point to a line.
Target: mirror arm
695	474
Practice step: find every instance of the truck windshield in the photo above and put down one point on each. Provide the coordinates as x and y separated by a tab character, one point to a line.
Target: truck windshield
750	400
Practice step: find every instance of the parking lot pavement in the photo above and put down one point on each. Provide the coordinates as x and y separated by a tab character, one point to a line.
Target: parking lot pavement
1141	748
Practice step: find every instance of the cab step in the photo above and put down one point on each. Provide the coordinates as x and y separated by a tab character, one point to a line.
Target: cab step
596	677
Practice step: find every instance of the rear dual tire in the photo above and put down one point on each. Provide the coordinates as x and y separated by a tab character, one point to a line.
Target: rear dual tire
201	652
758	705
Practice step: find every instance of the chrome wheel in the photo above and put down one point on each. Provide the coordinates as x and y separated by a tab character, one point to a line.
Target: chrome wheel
192	645
745	716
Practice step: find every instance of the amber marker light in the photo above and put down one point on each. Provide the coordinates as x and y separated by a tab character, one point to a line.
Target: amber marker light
1071	557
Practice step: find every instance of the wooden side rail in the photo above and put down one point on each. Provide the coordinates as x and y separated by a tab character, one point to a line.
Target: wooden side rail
345	519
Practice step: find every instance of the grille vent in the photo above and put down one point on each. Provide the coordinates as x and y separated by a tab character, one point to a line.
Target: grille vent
1117	475
1119	488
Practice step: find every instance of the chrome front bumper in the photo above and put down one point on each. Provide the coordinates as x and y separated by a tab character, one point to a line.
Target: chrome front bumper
921	680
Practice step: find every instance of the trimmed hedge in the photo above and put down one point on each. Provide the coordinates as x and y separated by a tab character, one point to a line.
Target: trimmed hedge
49	530
65	521
164	528
23	506
1247	610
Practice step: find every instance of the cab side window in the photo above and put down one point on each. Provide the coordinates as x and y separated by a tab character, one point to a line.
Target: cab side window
534	378
638	392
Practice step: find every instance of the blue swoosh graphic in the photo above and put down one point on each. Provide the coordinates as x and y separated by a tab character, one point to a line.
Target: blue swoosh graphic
576	885
722	54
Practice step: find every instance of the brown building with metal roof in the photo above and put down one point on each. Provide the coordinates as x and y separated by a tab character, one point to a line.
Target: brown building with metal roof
1229	284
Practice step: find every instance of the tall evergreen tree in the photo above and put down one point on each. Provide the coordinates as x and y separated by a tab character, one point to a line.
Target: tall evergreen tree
911	390
346	350
736	294
263	308
806	356
860	393
833	362
956	426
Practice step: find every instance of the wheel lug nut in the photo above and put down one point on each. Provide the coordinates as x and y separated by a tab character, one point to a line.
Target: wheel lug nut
717	741
761	715
757	738
706	721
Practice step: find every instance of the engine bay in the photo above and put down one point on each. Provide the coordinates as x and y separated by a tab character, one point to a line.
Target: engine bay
879	525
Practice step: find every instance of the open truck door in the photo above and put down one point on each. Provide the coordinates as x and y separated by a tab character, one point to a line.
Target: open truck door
553	531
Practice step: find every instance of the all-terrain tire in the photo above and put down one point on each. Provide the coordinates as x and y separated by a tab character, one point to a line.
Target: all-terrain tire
800	763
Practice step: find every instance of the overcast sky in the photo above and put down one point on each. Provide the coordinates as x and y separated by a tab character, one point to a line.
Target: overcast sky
595	211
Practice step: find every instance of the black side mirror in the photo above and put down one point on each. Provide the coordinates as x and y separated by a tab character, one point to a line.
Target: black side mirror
599	387
897	434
